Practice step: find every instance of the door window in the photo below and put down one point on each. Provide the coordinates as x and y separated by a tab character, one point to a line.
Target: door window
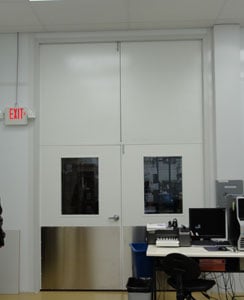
80	186
162	184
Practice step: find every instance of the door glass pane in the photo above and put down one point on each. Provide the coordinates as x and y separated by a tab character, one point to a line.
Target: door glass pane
80	186
162	184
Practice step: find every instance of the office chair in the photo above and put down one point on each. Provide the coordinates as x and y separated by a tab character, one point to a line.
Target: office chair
184	275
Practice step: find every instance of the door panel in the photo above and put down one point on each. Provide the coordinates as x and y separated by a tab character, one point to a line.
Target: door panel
161	92
78	83
80	258
162	115
80	121
133	181
109	190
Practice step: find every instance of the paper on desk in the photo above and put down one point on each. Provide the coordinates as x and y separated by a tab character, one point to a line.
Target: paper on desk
158	226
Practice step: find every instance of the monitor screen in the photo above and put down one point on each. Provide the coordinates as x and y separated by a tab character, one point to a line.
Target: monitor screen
208	223
240	208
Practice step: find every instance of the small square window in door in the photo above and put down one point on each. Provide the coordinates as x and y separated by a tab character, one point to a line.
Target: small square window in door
163	184
80	186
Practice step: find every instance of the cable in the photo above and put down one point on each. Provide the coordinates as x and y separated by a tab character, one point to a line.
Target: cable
17	72
222	283
228	285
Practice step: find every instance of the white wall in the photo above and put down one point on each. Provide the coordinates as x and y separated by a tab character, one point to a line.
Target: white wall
228	103
228	43
17	143
242	83
16	149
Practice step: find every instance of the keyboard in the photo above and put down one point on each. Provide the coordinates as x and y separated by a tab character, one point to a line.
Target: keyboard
223	243
210	243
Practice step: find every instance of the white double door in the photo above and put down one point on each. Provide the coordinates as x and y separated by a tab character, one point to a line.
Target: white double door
118	103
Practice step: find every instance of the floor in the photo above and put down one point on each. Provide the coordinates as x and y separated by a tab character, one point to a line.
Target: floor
95	296
112	295
68	296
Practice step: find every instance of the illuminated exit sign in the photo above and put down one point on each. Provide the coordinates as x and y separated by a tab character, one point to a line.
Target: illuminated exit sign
15	116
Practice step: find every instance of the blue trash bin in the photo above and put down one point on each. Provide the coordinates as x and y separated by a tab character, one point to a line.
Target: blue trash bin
142	265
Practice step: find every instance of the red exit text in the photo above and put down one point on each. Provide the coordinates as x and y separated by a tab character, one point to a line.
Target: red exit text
16	113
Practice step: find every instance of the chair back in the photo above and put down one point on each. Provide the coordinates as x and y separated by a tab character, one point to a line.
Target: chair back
175	264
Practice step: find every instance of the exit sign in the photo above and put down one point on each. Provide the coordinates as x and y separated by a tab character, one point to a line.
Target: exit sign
15	116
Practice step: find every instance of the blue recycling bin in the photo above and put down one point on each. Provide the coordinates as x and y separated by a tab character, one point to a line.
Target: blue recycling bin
142	265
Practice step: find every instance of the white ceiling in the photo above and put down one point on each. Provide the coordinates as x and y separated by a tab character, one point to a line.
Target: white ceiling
97	15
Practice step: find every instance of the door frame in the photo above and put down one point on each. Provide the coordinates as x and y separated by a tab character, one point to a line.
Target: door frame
205	35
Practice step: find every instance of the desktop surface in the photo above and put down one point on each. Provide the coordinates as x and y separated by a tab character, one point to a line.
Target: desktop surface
193	251
209	261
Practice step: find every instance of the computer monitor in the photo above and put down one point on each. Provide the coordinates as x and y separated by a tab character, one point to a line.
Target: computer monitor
208	223
240	208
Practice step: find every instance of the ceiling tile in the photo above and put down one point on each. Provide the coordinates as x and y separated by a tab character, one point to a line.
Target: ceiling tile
174	10
14	1
87	27
233	9
97	15
14	13
167	24
81	12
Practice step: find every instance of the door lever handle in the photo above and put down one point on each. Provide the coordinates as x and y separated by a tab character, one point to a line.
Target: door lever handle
114	217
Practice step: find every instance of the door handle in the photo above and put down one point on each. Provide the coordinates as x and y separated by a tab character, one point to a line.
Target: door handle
114	217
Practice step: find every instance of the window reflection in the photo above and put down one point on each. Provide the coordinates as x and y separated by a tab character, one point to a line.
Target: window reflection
162	185
80	186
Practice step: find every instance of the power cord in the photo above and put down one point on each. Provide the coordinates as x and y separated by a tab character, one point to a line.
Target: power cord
224	282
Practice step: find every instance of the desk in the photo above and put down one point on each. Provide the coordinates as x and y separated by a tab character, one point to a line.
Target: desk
195	252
